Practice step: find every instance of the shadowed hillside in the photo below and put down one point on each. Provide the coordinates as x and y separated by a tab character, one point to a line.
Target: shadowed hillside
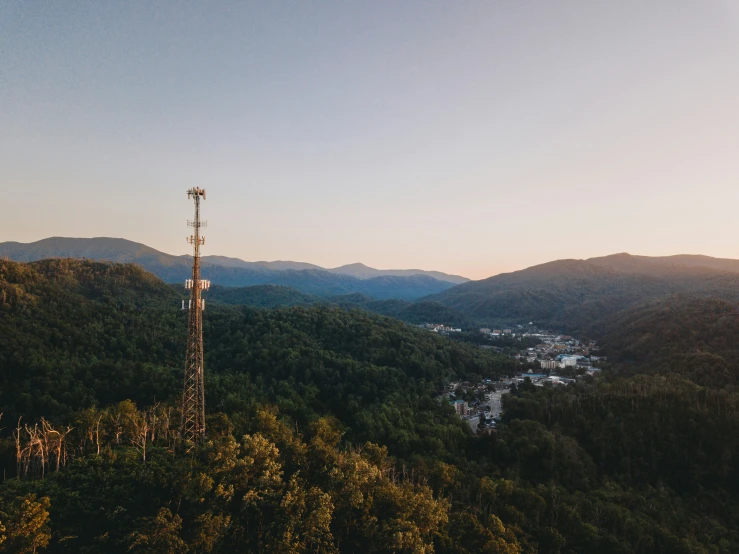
325	433
692	337
261	296
362	271
273	296
222	270
576	294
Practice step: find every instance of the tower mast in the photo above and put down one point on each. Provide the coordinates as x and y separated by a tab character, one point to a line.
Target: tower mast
193	395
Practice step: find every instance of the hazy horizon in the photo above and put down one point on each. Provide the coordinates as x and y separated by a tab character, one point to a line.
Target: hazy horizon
472	139
393	268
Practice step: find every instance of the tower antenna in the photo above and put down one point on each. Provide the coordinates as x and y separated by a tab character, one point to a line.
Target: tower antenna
193	395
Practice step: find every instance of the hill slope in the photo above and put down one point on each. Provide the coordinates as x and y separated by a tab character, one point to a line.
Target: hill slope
274	296
696	338
325	434
262	296
660	264
105	331
575	294
362	271
221	270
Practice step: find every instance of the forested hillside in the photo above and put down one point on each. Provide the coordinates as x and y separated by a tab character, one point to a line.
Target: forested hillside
324	435
85	333
576	294
406	284
274	296
261	296
697	338
416	312
314	281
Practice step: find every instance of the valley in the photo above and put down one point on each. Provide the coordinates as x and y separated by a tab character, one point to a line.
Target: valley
444	305
321	386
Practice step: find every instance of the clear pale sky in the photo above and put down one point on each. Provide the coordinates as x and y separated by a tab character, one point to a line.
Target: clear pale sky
470	136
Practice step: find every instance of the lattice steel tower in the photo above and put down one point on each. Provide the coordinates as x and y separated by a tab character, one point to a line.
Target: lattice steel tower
193	395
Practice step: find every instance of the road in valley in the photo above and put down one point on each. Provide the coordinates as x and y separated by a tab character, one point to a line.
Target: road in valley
492	405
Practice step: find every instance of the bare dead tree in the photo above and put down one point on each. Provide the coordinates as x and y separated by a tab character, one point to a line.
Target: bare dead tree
18	458
117	421
153	415
140	424
33	456
97	432
165	422
55	444
52	441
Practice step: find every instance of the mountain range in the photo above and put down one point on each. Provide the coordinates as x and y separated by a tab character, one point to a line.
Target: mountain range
353	278
588	297
313	411
576	295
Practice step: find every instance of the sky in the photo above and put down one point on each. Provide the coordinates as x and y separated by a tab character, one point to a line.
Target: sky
472	137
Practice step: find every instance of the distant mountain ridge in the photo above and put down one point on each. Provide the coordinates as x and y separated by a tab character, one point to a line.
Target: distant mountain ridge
579	295
222	270
568	294
123	250
647	264
576	294
277	296
361	271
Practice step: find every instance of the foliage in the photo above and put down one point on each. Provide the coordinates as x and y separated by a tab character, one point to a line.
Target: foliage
262	296
232	272
417	312
24	523
325	434
576	295
275	296
683	335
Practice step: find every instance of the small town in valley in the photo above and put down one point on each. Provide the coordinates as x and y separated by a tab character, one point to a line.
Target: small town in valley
545	358
440	328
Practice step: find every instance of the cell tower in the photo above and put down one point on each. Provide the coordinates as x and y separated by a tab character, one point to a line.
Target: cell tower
193	395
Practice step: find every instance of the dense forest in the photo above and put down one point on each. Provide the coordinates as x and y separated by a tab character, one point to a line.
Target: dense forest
325	434
307	278
574	295
277	296
260	296
684	335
